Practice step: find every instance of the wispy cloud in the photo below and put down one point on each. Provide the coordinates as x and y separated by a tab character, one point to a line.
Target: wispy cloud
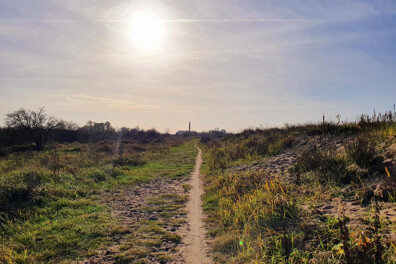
109	102
188	20
242	20
223	63
199	20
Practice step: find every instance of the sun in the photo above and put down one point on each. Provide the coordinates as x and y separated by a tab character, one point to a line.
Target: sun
146	30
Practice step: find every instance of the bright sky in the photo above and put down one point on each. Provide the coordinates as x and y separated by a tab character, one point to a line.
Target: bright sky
218	63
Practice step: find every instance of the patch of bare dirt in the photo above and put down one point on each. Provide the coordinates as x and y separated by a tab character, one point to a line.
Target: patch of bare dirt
278	165
131	206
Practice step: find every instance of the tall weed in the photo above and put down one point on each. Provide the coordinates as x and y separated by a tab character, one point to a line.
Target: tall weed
361	150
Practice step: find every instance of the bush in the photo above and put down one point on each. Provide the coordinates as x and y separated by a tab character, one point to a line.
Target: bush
349	129
128	161
22	187
97	175
281	144
329	167
361	151
335	169
106	148
114	172
308	161
72	150
138	148
23	148
257	145
219	159
52	160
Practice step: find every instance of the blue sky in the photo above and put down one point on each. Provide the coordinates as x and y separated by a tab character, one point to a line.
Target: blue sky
222	63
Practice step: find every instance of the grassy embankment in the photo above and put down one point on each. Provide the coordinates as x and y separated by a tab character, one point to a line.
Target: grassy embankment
255	216
50	202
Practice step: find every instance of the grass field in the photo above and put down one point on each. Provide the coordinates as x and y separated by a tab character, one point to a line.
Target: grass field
51	208
303	194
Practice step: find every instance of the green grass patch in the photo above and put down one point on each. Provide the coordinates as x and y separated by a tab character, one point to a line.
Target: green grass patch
50	201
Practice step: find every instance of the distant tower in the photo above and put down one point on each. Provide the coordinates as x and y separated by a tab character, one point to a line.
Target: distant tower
189	126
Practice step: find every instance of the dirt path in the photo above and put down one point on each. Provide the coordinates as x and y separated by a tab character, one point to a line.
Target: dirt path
195	248
155	212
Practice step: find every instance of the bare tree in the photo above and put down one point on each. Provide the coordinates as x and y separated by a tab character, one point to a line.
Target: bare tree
36	124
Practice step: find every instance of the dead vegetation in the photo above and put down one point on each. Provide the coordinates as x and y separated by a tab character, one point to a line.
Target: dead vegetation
308	194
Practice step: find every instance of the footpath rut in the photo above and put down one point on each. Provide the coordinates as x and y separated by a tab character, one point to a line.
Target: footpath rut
195	248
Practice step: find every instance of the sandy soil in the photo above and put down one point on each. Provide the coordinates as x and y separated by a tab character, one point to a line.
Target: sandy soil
195	246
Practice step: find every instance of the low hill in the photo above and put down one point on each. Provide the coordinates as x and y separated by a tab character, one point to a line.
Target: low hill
314	193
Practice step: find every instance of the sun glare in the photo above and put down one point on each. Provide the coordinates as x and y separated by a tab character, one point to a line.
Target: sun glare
146	30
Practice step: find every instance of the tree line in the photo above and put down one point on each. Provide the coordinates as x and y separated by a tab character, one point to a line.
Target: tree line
25	126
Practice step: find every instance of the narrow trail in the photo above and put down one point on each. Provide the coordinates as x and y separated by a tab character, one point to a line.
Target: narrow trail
195	250
132	207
